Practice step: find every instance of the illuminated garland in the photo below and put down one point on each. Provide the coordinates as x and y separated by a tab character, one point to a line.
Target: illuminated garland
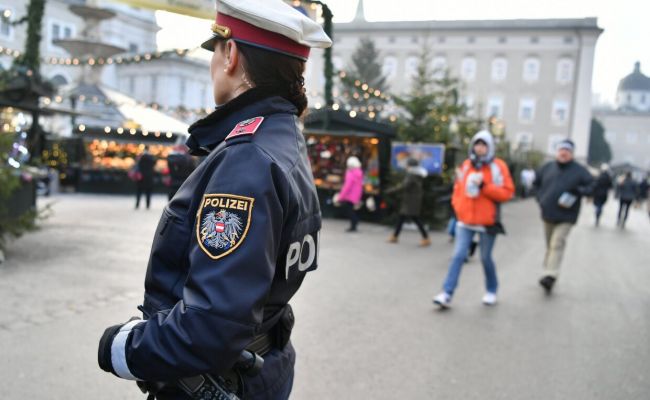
81	128
95	100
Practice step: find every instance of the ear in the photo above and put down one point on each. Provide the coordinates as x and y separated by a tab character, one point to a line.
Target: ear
232	55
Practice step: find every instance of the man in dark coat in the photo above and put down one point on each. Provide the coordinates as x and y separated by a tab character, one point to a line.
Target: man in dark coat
411	206
626	191
601	189
144	185
560	185
180	166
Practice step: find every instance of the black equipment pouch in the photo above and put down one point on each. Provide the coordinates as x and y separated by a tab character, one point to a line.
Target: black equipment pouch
282	330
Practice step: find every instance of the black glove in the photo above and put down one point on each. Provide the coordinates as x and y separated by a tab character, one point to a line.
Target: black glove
105	344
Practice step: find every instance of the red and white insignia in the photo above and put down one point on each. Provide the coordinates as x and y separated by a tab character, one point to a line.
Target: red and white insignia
248	127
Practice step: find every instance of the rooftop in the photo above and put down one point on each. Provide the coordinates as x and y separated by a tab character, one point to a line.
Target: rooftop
636	81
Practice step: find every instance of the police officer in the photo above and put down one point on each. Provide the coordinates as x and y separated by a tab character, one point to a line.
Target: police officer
235	242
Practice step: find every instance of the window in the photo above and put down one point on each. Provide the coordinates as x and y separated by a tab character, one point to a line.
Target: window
439	67
553	141
534	40
442	39
610	137
643	99
527	109
494	107
560	111
468	102
531	69
524	141
6	30
182	91
411	66
568	39
499	69
631	137
564	73
471	39
468	68
60	30
133	48
389	68
503	39
391	39
154	88
415	39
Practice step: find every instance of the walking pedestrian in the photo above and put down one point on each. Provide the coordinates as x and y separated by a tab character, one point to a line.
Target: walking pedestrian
601	190
527	177
237	240
644	193
626	191
560	185
352	191
144	185
484	184
411	202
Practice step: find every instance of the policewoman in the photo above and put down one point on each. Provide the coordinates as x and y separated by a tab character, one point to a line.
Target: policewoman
236	241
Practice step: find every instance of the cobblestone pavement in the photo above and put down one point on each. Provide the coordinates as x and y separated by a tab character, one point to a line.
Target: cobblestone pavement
365	328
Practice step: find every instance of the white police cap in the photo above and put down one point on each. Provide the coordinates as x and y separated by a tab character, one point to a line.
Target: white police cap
270	24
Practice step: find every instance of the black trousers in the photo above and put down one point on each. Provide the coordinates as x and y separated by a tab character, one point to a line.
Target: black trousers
140	189
352	214
403	218
623	209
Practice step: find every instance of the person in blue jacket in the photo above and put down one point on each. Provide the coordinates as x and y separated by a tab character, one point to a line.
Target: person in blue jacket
235	242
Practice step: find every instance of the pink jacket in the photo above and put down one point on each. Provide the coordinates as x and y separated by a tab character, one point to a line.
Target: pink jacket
352	189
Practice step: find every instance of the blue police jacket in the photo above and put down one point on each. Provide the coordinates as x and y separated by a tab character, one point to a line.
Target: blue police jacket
232	246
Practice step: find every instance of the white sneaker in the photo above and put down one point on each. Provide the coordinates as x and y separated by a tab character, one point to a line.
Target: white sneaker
490	299
443	300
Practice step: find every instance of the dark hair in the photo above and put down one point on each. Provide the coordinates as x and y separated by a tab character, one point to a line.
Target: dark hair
276	73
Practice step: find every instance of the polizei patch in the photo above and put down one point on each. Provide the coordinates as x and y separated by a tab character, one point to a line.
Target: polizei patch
222	223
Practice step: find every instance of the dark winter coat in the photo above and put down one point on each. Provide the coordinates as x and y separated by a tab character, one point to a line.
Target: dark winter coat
146	163
552	180
627	190
411	189
601	188
231	249
643	189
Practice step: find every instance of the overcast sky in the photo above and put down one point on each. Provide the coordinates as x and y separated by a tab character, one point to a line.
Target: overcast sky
625	40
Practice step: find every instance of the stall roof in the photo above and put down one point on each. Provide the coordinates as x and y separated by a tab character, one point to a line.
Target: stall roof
108	107
340	122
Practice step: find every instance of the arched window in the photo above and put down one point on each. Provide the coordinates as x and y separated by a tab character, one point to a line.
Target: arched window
389	67
411	66
468	69
531	69
439	67
564	73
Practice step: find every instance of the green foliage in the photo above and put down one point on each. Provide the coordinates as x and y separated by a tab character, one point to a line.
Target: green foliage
599	151
31	56
365	70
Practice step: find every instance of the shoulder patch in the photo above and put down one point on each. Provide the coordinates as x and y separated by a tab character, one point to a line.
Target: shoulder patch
222	223
248	127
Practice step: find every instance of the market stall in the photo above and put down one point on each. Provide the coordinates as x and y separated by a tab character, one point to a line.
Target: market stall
115	130
332	137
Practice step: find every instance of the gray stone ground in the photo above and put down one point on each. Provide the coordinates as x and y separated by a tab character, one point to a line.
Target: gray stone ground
366	328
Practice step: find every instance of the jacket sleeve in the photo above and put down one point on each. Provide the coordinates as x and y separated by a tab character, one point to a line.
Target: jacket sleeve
223	299
500	193
587	183
347	185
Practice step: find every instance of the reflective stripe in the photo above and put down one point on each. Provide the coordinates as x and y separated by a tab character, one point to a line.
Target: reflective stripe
118	351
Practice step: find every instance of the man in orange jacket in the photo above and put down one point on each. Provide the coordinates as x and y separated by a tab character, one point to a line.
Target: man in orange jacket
484	182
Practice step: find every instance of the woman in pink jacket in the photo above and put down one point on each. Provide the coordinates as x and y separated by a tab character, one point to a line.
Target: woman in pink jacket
352	191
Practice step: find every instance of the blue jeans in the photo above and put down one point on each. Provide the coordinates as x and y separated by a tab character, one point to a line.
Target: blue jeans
463	240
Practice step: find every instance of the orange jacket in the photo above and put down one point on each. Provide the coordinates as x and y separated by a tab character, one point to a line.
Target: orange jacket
497	188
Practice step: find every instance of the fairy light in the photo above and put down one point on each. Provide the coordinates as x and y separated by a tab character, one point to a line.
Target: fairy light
82	128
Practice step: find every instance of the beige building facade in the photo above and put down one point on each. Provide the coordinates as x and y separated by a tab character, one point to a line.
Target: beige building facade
533	75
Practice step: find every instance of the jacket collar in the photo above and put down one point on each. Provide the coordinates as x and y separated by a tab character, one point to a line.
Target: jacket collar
207	133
